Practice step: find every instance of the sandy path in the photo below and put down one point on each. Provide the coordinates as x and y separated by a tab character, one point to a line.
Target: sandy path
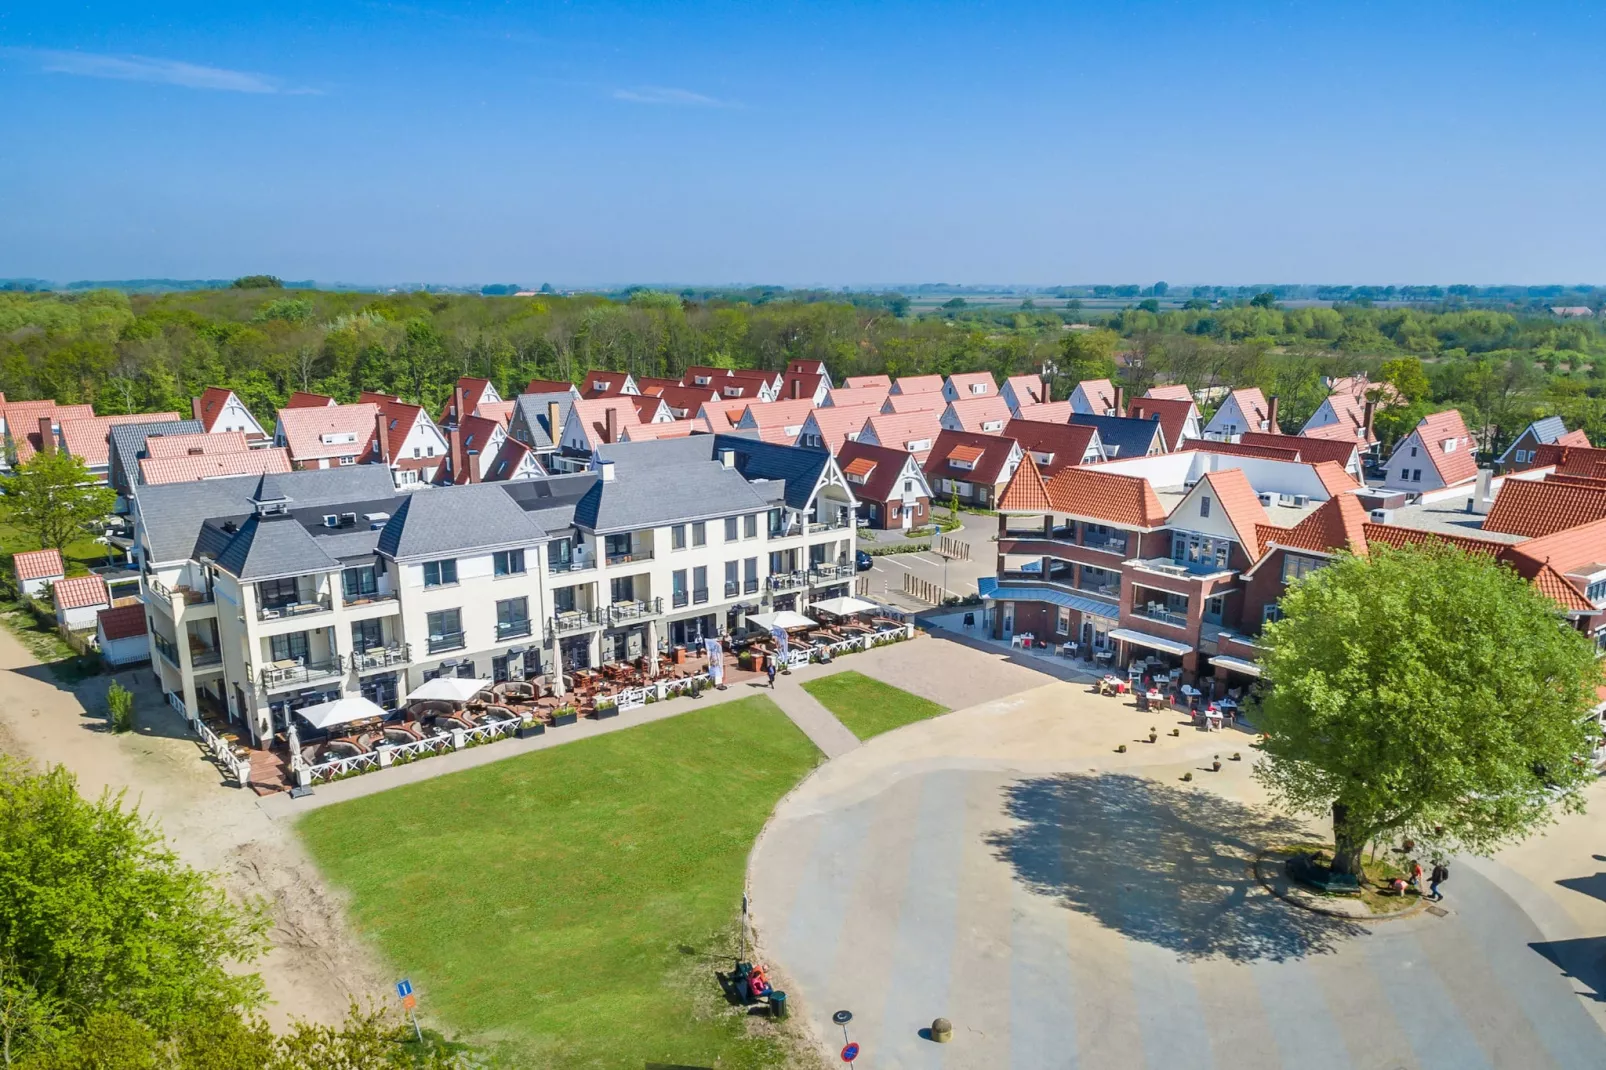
315	966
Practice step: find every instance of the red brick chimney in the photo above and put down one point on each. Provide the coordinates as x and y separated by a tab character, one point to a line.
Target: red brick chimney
1120	401
1271	416
610	425
457	404
1367	415
47	436
380	437
797	388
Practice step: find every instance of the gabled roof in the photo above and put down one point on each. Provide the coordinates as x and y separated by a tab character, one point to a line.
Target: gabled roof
197	445
1288	452
1107	497
210	405
1572	460
1576	437
722	415
917	384
1049	412
301	399
1360	388
551	386
686	401
474	391
1339	523
929	401
1026	492
122	622
880	468
1334	478
508	461
1171	392
1543	431
531	411
676	480
1350	425
1062	444
1252	403
963	382
1100	394
899	430
81	592
1340	451
859	382
158	470
304	430
799	469
1535	508
1171	414
472	517
649	409
592	412
272	547
975	413
1240	504
38	564
986	455
802	385
805	366
838	424
1122	436
605	384
655	386
652	432
865	395
1541	561
1436	428
1028	389
89	438
778	421
129	442
500	411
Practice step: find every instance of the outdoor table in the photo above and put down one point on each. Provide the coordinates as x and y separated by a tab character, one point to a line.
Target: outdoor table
1022	639
1104	655
1213	719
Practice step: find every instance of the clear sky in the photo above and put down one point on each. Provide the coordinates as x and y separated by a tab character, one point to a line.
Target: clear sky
802	144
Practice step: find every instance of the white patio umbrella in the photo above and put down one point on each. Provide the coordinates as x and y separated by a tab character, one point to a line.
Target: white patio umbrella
785	619
844	606
449	688
340	711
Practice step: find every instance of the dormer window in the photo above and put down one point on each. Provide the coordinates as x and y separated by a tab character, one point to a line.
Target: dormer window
992	426
1449	445
599	386
977	388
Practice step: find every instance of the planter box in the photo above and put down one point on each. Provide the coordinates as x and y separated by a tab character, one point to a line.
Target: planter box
605	711
559	720
527	731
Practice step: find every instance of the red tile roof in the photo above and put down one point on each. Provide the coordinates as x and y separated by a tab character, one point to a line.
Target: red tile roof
648	409
686	400
836	423
1049	412
158	470
1340	451
38	565
1541	561
592	412
880	468
1106	496
963	382
917	384
976	413
80	592
1571	460
1054	446
644	432
301	399
122	622
899	430
859	382
500	411
209	406
1575	437
305	427
722	415
198	444
1337	524
1241	505
474	391
1028	389
89	438
1350	425
1172	391
1244	449
986	455
603	384
779	421
928	402
548	386
1172	414
1458	465
1100	394
1026	492
1537	507
1252	403
1334	478
864	395
801	385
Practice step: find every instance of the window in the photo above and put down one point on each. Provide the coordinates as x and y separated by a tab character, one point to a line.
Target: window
1521	456
508	562
440	573
276	594
622	589
677	586
417	452
1204	505
445	630
733	579
1413	451
359	583
1297	568
677	537
367	634
1416	475
617	548
292	647
512	618
1596	591
750	526
699	534
730	529
563	600
560	555
777	522
699	584
1271	613
1200	551
750	575
1062	626
908	486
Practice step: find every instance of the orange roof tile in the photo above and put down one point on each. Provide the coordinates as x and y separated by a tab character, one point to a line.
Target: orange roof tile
1026	492
194	445
81	592
839	424
38	564
1537	507
859	466
1241	504
1457	465
1334	478
1049	412
1106	496
976	413
1337	524
122	622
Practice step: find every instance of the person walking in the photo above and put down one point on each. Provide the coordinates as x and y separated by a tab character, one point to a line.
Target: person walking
1416	876
769	670
1440	874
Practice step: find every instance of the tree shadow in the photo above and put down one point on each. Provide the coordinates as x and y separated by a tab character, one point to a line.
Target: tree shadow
1584	960
1164	865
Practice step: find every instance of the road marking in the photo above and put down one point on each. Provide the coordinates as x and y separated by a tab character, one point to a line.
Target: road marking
890	561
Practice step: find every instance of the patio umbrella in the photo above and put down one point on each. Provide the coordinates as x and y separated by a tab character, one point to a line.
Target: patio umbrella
449	688
844	606
340	711
785	620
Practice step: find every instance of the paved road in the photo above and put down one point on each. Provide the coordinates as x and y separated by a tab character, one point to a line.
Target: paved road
886	578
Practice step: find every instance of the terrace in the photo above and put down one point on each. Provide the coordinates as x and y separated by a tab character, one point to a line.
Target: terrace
284	675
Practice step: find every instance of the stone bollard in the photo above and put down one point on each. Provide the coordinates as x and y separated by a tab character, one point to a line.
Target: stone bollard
942	1031
303	777
459	739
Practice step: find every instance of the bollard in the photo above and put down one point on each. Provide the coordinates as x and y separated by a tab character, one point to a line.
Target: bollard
942	1031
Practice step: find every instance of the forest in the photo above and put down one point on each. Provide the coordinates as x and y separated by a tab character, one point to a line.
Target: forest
146	352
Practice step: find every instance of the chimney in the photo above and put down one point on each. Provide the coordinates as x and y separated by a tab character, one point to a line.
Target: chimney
195	407
610	426
797	389
1271	415
471	468
379	435
454	450
1481	498
47	436
605	468
1045	389
553	430
1367	415
1120	401
457	404
727	458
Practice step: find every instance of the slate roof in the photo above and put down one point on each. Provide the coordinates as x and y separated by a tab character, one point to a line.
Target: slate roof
38	564
474	517
1122	436
128	446
675	480
1063	444
552	500
530	411
799	469
271	547
1537	507
81	592
122	622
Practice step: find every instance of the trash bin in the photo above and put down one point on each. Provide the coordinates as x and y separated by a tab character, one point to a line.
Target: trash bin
777	1004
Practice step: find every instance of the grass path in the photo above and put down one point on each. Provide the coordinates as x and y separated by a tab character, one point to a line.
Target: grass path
867	706
574	902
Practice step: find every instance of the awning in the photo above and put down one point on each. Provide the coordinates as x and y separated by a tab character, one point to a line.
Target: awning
990	591
844	606
784	620
1153	642
448	688
340	711
1248	668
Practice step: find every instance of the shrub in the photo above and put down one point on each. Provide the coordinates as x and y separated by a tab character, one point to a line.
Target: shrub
120	707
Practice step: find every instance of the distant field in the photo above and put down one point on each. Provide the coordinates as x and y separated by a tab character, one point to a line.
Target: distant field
869	707
574	902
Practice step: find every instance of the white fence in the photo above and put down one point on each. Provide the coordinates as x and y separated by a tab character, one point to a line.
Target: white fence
239	768
485	733
339	767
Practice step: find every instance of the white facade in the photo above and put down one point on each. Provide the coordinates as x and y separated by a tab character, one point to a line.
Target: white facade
1230	422
1410	468
236	417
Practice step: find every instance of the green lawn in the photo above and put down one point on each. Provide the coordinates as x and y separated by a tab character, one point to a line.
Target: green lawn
83	553
574	902
869	707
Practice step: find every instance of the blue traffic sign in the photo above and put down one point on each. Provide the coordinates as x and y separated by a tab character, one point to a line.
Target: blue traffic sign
850	1053
404	988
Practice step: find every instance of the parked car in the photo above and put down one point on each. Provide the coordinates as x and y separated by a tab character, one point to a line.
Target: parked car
863	561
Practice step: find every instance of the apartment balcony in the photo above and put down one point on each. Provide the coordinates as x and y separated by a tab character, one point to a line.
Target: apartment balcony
369	598
784	530
1100	590
843	570
838	522
283	676
205	657
630	558
175	598
625	612
733	588
786	581
512	629
573	564
1160	614
291	610
381	657
679	600
1108	546
574	620
439	644
165	647
1165	566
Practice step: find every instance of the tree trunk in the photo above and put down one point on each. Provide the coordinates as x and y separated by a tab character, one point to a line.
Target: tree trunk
1347	843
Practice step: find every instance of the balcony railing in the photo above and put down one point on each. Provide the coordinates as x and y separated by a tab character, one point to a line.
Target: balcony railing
733	588
1163	615
630	557
842	570
368	598
275	677
574	620
699	595
320	604
834	522
750	585
1109	546
786	581
187	595
577	563
164	646
1103	590
679	599
446	641
203	656
512	629
381	657
620	612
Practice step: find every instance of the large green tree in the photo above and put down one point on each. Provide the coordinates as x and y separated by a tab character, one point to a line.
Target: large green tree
1424	692
53	497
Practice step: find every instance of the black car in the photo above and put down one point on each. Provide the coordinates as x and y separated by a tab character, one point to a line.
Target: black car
863	561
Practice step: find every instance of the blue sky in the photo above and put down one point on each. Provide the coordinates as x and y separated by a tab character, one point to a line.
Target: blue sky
833	144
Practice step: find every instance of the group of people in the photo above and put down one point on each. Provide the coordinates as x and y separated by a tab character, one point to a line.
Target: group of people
1435	877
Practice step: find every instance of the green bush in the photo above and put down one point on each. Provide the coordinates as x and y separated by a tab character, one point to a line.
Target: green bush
120	707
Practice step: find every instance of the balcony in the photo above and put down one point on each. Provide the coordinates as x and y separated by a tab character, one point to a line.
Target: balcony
289	610
843	570
785	581
368	598
381	657
284	675
181	594
1100	590
1156	612
165	647
1107	546
732	588
512	629
1165	566
204	657
699	595
836	522
679	600
630	558
577	563
573	620
623	612
447	641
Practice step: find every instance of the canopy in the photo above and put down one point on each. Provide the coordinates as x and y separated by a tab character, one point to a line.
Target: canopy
784	619
1248	668
844	606
340	711
1153	642
450	688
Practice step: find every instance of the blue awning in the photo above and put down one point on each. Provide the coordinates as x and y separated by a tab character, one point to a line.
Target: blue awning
988	586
